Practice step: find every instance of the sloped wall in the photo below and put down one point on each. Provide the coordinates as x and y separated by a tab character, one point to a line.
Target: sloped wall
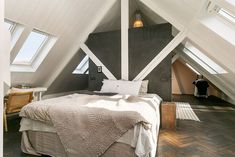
182	80
144	44
67	81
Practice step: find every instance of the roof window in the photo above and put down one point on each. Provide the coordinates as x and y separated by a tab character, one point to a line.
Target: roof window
203	60
83	66
31	48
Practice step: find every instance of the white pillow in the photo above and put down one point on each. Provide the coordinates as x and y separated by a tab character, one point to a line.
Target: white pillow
129	87
121	87
109	86
144	87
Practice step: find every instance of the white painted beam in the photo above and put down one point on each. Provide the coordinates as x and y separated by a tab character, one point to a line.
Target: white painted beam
90	28
124	39
97	62
167	50
161	12
174	58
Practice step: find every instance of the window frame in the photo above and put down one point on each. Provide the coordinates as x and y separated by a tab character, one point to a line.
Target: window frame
38	51
194	70
204	64
79	69
39	57
13	25
226	15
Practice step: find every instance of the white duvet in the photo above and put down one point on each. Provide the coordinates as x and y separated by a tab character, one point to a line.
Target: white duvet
144	141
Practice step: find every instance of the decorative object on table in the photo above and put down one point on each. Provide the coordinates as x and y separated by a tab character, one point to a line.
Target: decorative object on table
37	91
23	86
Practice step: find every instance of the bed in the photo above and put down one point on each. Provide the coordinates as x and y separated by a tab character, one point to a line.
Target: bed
92	125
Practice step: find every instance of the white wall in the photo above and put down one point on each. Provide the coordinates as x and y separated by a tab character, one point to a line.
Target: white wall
1	76
4	66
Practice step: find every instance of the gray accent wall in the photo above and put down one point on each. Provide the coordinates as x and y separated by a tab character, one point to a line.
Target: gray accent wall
144	44
107	48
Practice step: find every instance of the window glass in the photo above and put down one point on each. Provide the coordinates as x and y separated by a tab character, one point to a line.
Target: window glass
31	47
203	60
83	66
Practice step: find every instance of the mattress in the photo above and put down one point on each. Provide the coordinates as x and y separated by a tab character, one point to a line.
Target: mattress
38	143
37	135
37	126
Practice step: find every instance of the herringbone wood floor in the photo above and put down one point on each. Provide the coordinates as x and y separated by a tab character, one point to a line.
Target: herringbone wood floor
214	136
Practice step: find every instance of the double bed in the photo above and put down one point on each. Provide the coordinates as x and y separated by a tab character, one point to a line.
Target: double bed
92	125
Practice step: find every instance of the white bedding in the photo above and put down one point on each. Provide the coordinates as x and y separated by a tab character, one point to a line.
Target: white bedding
144	141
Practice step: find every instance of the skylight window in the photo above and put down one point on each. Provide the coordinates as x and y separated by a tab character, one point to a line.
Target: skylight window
227	15
83	66
203	60
9	25
31	48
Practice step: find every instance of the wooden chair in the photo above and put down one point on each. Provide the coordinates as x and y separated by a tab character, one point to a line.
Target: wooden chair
14	102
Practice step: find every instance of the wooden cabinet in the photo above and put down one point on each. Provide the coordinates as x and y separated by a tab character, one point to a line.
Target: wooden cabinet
168	115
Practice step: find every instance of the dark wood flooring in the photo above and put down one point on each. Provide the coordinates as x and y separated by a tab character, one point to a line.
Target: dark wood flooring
214	136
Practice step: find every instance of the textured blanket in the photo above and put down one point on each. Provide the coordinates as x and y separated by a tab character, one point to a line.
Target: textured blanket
88	125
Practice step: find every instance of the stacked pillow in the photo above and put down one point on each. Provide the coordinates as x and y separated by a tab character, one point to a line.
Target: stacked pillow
144	87
124	87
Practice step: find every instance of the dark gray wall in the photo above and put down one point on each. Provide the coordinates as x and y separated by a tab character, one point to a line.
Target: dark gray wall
67	81
144	44
107	48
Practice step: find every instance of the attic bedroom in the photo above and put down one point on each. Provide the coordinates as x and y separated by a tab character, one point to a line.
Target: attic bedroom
111	78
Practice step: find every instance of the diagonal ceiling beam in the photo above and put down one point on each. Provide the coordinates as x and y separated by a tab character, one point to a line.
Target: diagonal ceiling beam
97	62
124	39
174	43
166	51
161	12
90	28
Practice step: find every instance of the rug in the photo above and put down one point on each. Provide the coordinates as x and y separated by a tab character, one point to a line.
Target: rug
185	112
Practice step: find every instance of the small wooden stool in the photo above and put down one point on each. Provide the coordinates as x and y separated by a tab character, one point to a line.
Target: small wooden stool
168	115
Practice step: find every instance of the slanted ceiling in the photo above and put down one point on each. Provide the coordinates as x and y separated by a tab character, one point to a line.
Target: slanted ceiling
72	21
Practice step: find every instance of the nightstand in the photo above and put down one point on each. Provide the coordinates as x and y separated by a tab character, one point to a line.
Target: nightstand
168	115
